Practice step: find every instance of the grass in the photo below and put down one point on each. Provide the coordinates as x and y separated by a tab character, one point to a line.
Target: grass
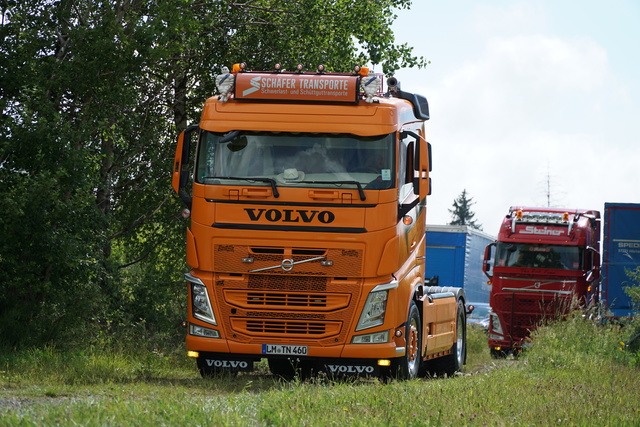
576	373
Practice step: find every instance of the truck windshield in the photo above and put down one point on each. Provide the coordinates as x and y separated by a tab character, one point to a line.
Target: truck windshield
539	256
296	159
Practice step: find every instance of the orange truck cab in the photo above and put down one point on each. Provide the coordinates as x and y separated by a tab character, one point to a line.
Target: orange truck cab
307	202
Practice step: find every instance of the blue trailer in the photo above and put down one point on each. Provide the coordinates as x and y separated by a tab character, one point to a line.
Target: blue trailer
621	254
454	256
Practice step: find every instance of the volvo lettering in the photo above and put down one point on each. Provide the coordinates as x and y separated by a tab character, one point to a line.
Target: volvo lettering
306	235
289	215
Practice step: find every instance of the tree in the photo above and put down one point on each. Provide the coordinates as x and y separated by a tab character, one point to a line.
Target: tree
461	213
92	96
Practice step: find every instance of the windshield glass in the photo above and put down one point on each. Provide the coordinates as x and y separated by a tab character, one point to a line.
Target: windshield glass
539	256
294	159
480	311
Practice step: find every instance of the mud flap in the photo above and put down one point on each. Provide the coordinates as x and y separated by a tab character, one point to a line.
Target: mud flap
346	367
218	362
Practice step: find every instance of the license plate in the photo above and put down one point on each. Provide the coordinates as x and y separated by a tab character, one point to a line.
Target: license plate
285	350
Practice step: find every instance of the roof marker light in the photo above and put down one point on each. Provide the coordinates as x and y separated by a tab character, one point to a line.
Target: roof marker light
278	67
565	216
519	214
299	68
321	69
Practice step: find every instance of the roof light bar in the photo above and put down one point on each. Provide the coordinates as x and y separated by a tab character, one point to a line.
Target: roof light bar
542	217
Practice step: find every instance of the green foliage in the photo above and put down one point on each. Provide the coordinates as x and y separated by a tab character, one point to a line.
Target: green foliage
574	374
461	214
477	349
577	344
634	291
92	95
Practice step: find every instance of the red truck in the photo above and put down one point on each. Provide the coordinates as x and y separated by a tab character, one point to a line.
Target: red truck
546	263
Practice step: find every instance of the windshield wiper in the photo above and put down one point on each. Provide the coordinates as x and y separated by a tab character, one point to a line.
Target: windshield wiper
251	178
356	183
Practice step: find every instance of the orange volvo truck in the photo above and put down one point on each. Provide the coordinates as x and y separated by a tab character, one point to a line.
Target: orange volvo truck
307	203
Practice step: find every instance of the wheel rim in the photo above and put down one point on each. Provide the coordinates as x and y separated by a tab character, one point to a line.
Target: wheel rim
460	339
412	346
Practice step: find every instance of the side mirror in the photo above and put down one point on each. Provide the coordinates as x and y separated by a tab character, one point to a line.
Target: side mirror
590	276
180	175
594	273
421	164
486	263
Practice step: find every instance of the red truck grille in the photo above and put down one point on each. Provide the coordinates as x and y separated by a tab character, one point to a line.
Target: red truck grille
521	313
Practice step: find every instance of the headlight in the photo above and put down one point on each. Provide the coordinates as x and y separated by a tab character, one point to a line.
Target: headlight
374	338
373	311
200	303
495	328
201	331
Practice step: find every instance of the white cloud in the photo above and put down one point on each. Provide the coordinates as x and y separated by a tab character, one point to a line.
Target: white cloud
514	102
515	18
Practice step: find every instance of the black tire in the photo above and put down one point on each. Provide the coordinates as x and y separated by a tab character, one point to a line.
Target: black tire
409	366
452	363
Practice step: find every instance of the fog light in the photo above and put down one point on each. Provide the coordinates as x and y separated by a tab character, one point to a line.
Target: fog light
193	354
384	362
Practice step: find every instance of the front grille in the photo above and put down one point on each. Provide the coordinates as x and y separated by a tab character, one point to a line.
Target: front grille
294	301
286	300
521	313
263	307
268	261
285	327
290	283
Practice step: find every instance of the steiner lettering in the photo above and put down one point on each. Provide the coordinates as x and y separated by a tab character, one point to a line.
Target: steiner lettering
290	215
531	229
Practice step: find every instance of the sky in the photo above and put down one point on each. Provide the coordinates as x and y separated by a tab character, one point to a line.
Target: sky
532	103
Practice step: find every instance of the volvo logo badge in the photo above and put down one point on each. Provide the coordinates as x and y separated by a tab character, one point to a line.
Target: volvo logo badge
287	264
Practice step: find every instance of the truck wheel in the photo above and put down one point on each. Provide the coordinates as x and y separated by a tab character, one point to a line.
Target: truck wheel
409	365
452	363
461	338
